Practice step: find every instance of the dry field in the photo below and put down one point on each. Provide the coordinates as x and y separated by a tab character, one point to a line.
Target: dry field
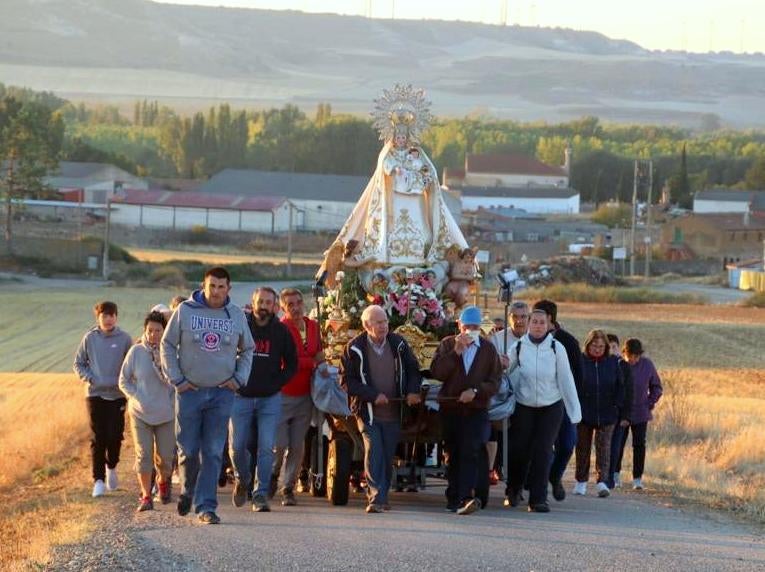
43	479
706	443
153	255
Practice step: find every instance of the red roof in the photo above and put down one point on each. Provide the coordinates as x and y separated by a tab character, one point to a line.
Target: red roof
191	199
511	164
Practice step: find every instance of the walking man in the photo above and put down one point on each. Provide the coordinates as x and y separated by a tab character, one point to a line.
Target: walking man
206	353
378	367
97	363
470	369
258	405
297	406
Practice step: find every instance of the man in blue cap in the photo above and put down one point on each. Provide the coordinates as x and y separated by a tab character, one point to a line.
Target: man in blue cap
470	369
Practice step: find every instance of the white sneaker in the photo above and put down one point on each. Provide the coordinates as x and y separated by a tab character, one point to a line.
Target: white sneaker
617	481
99	488
637	484
580	488
111	479
602	489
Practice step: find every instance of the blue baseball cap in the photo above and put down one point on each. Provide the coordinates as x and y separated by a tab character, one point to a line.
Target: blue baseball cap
470	316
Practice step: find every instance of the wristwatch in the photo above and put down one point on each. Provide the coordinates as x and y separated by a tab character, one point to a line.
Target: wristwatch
475	391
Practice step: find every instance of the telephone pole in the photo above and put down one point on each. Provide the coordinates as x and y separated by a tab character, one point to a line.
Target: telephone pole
634	218
289	245
649	237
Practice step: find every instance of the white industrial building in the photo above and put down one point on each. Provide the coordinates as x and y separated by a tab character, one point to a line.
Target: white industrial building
183	210
92	182
715	201
324	201
535	200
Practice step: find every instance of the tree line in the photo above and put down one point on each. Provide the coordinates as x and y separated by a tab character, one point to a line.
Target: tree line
160	141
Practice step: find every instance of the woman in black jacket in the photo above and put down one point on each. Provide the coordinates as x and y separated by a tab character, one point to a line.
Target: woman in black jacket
601	395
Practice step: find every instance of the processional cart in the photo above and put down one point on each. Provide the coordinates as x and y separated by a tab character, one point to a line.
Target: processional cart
400	249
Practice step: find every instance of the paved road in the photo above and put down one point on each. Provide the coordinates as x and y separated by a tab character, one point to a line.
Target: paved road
715	294
622	532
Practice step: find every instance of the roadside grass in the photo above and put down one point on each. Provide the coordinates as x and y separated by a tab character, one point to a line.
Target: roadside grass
706	441
756	300
579	292
41	467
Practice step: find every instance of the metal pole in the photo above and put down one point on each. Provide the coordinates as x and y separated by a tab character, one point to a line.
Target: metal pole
634	217
649	238
107	230
289	246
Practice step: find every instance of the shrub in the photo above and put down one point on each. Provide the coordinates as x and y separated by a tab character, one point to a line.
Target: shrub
756	300
611	295
171	276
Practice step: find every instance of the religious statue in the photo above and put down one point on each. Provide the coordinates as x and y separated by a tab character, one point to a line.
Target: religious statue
401	217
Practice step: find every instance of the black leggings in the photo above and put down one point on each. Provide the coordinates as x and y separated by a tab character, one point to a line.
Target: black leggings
530	446
639	431
107	425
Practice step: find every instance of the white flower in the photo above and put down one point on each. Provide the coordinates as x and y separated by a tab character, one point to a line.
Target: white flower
353	310
339	276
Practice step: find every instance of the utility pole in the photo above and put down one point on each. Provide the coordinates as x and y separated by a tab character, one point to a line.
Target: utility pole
634	217
289	245
649	238
107	230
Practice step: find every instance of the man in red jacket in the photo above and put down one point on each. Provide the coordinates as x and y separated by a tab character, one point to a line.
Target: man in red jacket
470	369
296	395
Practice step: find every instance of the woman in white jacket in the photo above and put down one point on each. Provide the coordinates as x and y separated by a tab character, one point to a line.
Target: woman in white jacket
543	386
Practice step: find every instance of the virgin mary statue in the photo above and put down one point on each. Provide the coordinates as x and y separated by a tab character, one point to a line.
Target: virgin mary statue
401	217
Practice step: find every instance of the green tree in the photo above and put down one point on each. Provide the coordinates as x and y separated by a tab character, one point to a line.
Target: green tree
31	136
755	176
618	215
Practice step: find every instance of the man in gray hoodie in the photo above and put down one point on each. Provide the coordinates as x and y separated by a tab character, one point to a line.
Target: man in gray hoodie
97	363
206	352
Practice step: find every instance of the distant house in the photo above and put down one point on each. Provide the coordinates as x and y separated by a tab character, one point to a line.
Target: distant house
727	237
508	170
92	182
538	200
324	201
728	201
512	180
180	210
506	225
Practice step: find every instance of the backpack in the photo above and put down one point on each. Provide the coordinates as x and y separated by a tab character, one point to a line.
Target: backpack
518	350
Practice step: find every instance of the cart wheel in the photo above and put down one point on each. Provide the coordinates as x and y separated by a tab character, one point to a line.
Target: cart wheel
317	484
482	483
339	469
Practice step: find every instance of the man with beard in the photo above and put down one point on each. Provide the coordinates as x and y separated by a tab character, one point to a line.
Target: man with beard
260	401
206	352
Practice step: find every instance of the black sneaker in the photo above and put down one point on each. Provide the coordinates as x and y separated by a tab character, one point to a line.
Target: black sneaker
184	505
558	492
288	498
512	499
209	518
539	507
469	507
452	507
239	494
260	504
273	486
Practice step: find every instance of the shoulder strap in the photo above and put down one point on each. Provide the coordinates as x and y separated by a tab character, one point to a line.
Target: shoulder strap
552	345
518	352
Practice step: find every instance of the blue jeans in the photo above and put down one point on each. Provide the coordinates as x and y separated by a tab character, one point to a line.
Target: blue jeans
564	448
201	419
380	440
248	415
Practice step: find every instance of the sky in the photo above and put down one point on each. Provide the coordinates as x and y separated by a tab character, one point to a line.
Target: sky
692	25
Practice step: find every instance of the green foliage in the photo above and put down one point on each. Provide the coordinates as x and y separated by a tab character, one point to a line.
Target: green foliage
613	215
611	295
756	300
755	175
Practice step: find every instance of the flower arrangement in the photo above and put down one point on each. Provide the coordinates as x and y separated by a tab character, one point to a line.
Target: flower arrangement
409	296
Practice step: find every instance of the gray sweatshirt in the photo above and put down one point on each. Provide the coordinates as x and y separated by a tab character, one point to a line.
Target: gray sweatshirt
150	397
206	346
98	361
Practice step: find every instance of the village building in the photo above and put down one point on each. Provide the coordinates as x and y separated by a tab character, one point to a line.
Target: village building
728	237
513	180
728	201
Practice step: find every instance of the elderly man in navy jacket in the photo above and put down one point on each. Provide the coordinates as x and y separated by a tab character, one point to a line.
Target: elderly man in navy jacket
378	369
470	369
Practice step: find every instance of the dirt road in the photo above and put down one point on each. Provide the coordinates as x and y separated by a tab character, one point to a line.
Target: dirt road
627	531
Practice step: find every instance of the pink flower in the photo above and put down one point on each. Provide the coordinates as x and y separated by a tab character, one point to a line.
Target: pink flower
436	322
419	316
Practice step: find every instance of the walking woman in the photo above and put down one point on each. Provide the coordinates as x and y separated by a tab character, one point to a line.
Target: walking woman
601	395
543	387
151	411
647	391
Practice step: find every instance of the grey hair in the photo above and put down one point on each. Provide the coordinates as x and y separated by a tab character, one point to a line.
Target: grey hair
368	312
